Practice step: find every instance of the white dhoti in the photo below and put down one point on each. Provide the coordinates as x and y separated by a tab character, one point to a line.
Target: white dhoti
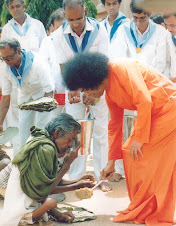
100	137
16	202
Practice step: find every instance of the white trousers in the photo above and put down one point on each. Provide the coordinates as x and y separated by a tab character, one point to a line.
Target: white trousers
119	168
28	118
100	137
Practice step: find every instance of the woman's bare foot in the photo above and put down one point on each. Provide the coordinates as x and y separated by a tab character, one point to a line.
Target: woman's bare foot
105	186
116	177
66	217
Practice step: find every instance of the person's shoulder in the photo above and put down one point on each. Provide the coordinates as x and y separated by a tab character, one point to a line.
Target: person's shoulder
58	33
35	21
6	26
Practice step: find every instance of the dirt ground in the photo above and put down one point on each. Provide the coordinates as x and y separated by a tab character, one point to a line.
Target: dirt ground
103	204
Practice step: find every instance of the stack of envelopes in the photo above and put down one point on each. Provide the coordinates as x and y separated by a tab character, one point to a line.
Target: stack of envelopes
42	104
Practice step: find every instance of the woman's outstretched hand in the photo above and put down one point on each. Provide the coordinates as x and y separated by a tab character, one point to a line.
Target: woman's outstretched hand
135	150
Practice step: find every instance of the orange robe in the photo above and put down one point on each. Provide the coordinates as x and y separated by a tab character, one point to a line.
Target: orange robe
151	181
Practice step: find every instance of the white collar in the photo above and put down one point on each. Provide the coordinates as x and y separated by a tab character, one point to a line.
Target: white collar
137	30
26	20
120	14
68	29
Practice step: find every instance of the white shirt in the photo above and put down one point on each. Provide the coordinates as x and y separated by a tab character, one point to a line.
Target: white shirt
37	82
172	54
47	52
63	50
34	35
109	27
153	53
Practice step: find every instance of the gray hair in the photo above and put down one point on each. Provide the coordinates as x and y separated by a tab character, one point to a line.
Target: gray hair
12	43
63	122
10	1
57	15
72	3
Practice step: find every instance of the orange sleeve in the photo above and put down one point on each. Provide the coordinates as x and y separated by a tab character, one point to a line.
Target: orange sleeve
134	84
115	130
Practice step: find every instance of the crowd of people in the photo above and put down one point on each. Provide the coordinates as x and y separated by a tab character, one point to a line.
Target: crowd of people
115	68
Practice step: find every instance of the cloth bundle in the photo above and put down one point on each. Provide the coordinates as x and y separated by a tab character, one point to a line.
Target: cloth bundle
37	162
42	104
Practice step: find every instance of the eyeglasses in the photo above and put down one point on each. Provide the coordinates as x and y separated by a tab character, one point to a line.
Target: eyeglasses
9	58
79	20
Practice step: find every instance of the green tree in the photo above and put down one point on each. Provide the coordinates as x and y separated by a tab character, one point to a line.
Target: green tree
42	9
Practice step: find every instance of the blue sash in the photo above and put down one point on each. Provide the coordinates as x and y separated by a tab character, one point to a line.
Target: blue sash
16	28
26	63
116	25
88	39
174	40
132	35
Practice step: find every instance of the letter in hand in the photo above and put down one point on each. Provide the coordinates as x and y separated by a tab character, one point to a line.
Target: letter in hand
88	100
74	97
72	156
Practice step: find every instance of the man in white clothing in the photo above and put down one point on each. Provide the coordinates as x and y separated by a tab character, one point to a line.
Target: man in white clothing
114	19
141	39
170	21
30	33
27	30
77	34
32	79
47	53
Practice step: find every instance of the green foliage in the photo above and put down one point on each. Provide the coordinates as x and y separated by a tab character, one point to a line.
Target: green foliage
91	8
5	16
42	9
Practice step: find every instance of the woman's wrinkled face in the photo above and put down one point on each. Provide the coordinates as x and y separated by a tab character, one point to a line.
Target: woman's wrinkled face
63	143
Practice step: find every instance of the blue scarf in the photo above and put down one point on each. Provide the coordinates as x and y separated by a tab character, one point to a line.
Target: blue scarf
132	35
16	28
88	39
174	40
116	25
26	63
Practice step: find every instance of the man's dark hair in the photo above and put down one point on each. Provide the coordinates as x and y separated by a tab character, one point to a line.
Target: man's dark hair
57	15
103	1
135	9
166	16
85	71
12	43
63	122
158	18
72	3
0	29
10	1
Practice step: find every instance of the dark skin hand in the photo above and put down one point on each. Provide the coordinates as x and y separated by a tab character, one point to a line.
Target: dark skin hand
65	167
88	100
74	97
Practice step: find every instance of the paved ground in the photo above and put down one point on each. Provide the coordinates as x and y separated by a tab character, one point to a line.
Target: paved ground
104	205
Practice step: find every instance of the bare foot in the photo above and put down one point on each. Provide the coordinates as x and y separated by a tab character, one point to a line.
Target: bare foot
105	186
116	177
66	217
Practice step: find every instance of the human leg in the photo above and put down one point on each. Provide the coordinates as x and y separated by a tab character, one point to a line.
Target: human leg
78	167
100	139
